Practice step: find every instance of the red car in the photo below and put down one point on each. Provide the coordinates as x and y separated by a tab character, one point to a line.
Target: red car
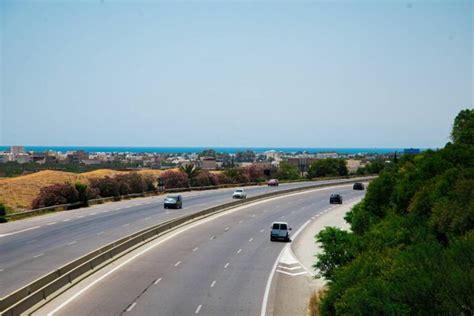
273	183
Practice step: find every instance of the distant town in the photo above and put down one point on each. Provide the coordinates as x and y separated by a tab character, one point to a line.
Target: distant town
207	159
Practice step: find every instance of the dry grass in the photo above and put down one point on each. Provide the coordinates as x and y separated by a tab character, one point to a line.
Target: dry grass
315	302
18	193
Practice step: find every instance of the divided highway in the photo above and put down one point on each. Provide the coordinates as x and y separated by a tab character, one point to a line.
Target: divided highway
33	247
217	266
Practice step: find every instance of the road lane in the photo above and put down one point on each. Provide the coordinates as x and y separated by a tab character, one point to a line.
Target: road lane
91	228
237	267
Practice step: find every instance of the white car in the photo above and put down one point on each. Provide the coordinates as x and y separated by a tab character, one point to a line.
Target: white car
239	194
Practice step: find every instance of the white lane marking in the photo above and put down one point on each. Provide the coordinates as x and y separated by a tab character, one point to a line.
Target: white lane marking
226	265
19	231
177	263
291	274
52	223
131	306
253	215
227	228
125	225
241	221
72	243
213	283
213	237
31	241
172	235
195	249
39	255
272	273
157	281
198	309
250	240
262	230
100	233
1	270
282	216
239	251
66	220
94	213
80	216
147	218
291	269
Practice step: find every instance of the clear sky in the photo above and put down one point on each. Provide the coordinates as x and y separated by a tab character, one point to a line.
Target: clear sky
269	73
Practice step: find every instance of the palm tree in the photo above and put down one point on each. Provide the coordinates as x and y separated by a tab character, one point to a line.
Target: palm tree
191	170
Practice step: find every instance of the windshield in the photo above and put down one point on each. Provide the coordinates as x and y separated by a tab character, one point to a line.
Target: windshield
276	226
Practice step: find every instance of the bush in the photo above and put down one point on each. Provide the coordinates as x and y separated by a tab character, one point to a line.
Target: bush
107	186
3	212
131	183
56	194
287	171
175	179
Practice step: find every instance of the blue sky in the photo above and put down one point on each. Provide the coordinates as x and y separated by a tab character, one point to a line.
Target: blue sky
269	73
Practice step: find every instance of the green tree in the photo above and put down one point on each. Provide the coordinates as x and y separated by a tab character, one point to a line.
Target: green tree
328	167
463	127
191	171
287	171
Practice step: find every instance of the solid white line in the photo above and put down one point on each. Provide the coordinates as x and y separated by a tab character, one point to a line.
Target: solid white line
177	263
198	309
292	274
37	256
131	306
19	231
213	283
52	223
226	265
291	269
195	249
239	251
172	235
157	281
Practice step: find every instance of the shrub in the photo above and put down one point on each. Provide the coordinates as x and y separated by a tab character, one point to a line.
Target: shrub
287	171
106	186
131	183
56	194
175	179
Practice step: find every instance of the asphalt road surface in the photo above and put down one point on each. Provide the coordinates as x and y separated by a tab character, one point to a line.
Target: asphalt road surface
217	266
33	247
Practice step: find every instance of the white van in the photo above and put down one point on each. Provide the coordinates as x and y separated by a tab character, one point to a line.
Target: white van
280	230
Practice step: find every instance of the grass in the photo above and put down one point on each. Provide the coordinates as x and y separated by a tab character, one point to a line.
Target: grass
315	302
18	193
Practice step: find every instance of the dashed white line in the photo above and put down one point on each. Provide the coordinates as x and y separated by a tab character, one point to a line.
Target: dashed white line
100	233
80	216
241	221
125	225
66	220
227	228
250	240
226	265
262	230
213	283
239	251
195	249
39	255
52	223
157	281
198	309
1	270
147	218
72	243
213	237
131	306
177	263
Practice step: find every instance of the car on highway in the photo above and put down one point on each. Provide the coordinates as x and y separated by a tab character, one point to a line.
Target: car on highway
273	183
335	199
280	231
239	194
358	186
174	201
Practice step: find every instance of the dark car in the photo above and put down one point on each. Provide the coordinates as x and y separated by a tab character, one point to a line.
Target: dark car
174	201
358	186
335	199
273	183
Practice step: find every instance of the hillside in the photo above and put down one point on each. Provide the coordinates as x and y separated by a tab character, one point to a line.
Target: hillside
18	193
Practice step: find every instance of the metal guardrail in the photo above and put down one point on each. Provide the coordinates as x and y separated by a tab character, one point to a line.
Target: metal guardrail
45	286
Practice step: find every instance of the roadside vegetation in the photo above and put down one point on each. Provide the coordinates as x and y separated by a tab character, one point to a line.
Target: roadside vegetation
411	246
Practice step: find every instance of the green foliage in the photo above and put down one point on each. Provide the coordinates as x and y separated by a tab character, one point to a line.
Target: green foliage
328	167
191	171
3	210
411	249
287	171
374	167
463	128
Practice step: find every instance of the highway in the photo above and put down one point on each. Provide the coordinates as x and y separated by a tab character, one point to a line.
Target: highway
217	266
33	247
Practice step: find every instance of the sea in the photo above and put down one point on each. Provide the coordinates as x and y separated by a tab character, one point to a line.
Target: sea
230	150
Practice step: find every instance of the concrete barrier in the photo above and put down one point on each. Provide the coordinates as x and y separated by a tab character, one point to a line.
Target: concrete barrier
42	288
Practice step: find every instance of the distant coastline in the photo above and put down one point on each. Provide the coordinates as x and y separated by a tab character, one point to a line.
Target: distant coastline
230	150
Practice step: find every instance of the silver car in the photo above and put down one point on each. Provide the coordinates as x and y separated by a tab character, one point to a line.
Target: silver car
280	230
239	194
